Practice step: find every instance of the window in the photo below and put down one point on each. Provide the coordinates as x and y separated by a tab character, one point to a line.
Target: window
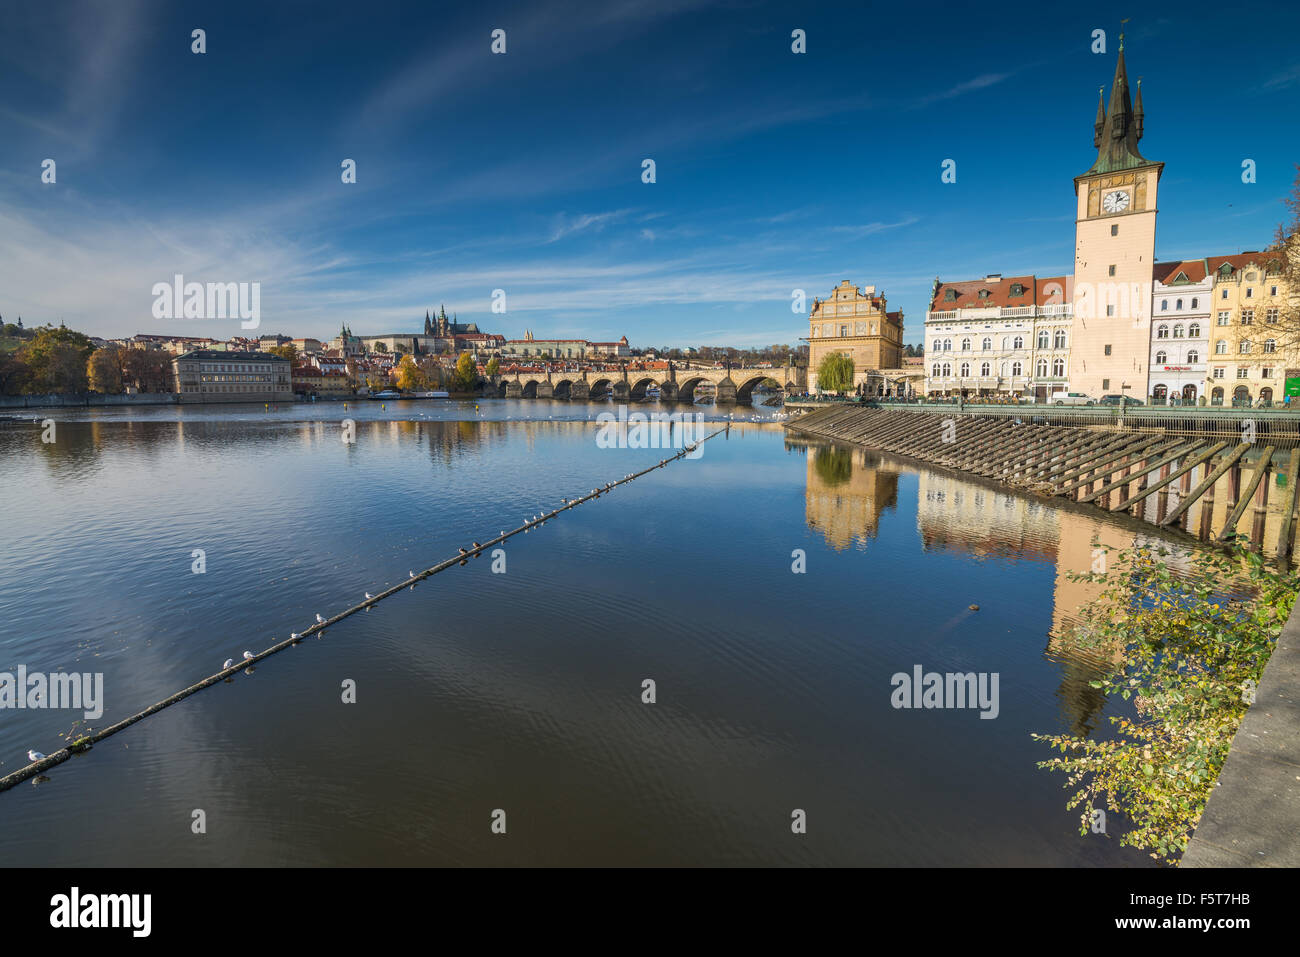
1178	332
1040	369
1058	367
950	295
1016	368
1161	358
1243	373
1017	289
1224	294
947	345
1250	293
965	345
947	368
1266	372
1272	290
965	369
1042	339
1110	270
844	330
1178	304
934	370
1244	347
938	345
1193	357
1221	347
1223	318
1114	229
1058	339
984	368
1218	374
1247	317
1162	332
1018	342
1194	302
1270	345
1194	331
1110	310
1271	315
1108	349
987	344
1164	305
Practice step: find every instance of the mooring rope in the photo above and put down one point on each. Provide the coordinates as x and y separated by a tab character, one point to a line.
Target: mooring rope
85	742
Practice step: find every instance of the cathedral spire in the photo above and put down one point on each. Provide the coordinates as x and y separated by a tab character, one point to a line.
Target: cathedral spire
1137	110
1118	128
1100	125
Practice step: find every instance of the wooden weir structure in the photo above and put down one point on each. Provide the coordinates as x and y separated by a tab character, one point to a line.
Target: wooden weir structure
1118	460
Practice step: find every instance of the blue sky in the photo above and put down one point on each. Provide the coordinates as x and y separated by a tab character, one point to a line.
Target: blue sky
775	171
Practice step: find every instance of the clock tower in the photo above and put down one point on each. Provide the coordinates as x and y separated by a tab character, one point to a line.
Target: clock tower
1114	251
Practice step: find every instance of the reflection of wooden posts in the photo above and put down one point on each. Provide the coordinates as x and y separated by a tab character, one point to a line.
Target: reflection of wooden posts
1288	508
1207	511
1256	477
1234	485
1260	511
1162	497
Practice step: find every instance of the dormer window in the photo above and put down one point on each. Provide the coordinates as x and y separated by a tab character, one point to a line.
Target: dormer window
984	293
1017	289
950	295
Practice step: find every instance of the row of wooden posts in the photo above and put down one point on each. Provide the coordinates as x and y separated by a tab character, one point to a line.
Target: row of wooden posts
1118	470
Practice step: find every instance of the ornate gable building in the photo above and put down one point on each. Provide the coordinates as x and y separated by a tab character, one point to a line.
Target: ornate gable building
856	322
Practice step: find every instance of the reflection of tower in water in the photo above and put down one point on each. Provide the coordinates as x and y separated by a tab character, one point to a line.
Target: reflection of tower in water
846	491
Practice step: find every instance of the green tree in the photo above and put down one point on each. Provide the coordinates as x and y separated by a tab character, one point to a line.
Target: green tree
56	360
493	366
1190	647
287	351
466	375
835	374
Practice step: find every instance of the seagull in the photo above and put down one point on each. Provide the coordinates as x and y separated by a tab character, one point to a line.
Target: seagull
476	544
35	756
230	663
248	656
462	551
293	635
369	597
319	619
412	574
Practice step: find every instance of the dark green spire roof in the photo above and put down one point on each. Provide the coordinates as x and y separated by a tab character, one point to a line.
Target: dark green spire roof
1118	129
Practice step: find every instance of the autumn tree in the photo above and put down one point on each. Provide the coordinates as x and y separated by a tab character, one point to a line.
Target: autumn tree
466	375
493	367
287	351
104	370
1284	266
56	360
409	377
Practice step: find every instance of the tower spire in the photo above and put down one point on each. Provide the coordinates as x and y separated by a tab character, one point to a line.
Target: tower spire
1118	128
1100	125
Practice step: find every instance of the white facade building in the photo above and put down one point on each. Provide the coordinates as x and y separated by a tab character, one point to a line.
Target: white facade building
1181	309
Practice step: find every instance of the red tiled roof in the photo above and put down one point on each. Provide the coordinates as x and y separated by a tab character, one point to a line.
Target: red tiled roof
1194	269
968	294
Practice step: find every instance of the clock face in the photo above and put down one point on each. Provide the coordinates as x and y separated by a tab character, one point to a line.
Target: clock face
1115	201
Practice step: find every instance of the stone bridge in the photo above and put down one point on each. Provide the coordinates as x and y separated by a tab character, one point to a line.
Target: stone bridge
675	384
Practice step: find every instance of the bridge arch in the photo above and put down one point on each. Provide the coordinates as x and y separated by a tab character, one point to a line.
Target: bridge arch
530	389
686	388
639	386
599	387
745	389
563	389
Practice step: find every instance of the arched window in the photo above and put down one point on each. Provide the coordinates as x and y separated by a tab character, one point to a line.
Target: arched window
1221	347
1193	357
1216	397
1043	338
1058	340
1240	395
1194	304
1018	342
1040	369
1164	305
1194	330
1058	367
1270	345
987	344
965	369
1178	304
1016	368
947	345
934	370
984	369
947	369
1244	348
1161	358
1162	332
938	345
1266	394
1178	331
965	345
1159	394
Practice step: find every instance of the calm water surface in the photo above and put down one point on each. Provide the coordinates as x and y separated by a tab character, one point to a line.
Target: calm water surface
522	691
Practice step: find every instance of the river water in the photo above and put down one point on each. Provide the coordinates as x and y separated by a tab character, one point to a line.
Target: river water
770	589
